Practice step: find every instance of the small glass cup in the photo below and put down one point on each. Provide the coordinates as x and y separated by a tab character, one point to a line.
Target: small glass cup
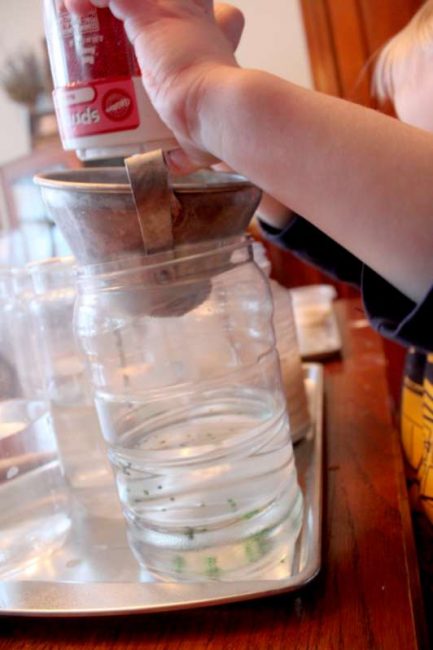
81	445
188	389
26	337
34	512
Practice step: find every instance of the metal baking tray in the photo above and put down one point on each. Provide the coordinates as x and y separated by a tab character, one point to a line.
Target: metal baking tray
94	573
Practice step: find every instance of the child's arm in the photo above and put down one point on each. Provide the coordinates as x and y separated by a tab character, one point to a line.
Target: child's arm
364	179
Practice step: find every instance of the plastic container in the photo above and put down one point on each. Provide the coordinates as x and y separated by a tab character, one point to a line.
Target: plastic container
101	106
193	410
316	325
288	350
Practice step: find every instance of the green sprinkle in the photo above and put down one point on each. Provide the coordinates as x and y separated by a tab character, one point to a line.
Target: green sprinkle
250	551
232	503
179	563
251	514
146	492
126	469
190	533
262	541
212	569
257	546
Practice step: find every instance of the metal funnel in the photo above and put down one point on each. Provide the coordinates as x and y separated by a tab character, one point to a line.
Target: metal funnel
106	214
96	211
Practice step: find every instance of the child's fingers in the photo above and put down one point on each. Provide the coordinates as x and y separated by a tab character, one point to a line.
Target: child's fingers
179	162
171	39
231	21
128	7
82	6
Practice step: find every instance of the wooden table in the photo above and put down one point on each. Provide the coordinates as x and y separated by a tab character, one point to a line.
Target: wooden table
367	596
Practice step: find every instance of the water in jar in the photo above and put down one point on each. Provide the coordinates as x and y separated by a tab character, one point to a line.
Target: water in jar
209	490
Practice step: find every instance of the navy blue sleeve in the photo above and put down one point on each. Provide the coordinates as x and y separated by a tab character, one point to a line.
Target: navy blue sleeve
312	245
389	311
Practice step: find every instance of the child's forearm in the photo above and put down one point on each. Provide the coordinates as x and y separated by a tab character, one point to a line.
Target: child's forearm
363	178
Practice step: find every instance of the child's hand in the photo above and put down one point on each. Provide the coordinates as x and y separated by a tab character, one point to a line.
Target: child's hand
179	45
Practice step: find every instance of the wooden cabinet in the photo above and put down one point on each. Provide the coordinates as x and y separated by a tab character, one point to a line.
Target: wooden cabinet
344	39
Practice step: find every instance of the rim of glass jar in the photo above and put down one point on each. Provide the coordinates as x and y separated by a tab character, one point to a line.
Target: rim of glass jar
129	264
51	272
51	262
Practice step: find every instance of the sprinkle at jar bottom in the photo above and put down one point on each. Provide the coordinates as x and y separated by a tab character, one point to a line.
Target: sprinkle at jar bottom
264	554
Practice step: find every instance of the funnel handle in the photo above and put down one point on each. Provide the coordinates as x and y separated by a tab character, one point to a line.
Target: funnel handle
148	177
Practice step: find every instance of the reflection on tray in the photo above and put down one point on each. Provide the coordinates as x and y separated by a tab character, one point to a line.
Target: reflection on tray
95	573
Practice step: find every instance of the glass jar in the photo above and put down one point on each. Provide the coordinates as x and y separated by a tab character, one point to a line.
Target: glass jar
188	389
34	512
82	448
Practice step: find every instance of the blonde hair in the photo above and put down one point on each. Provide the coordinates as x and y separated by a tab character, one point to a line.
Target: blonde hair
402	53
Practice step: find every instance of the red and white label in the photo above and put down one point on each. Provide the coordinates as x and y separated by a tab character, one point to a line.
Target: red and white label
87	109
